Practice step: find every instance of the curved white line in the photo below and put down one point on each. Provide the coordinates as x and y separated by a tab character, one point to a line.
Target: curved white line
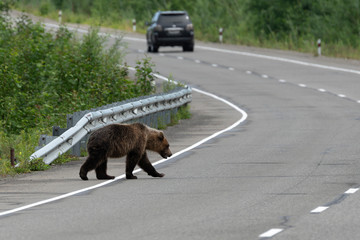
243	118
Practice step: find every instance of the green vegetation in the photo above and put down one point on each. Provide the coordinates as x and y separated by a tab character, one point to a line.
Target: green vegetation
24	144
171	85
298	24
45	76
284	24
183	112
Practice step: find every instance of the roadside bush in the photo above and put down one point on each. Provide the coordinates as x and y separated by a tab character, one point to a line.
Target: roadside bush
45	76
298	21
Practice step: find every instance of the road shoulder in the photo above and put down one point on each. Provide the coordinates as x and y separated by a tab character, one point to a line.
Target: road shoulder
208	117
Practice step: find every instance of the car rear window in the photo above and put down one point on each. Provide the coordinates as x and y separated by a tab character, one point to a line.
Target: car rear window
173	18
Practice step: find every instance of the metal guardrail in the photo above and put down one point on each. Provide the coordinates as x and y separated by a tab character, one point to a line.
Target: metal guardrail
141	109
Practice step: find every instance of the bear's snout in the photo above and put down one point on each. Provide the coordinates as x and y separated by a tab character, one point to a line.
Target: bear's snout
166	154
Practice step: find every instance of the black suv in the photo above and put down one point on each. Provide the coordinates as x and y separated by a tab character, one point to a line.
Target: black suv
170	28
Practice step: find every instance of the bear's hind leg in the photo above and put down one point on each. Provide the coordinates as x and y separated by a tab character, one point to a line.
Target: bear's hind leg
101	170
146	165
95	158
89	165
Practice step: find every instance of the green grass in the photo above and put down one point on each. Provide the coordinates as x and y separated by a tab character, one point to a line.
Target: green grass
23	145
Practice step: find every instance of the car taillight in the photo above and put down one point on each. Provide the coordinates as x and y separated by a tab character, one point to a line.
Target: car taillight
189	27
158	28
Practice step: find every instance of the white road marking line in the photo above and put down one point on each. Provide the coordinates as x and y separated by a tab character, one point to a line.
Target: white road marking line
272	232
282	81
321	90
248	54
319	209
248	72
231	68
70	194
358	101
161	54
264	76
61	196
180	58
280	59
197	61
352	190
341	95
214	65
302	85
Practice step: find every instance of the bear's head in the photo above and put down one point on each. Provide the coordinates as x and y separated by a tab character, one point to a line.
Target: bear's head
157	142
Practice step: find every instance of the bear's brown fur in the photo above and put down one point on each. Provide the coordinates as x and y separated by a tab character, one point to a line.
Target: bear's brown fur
118	140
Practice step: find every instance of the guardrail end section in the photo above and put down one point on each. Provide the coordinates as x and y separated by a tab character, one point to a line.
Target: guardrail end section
151	110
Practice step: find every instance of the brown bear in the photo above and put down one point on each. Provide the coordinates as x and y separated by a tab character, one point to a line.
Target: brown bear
118	140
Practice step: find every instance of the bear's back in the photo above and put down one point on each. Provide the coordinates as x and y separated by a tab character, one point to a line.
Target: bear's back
119	139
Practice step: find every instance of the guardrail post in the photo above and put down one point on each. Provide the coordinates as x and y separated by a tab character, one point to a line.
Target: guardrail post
319	47
134	25
60	17
76	150
156	118
57	131
69	121
221	30
12	157
167	116
174	111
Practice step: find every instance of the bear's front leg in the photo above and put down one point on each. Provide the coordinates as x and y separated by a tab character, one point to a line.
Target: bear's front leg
146	165
131	160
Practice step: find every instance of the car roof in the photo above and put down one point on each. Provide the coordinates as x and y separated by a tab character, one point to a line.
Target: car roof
172	12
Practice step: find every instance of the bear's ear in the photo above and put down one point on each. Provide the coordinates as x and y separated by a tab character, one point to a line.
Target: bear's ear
161	136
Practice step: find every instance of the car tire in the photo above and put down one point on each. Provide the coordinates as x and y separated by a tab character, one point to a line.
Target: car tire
188	48
155	48
149	48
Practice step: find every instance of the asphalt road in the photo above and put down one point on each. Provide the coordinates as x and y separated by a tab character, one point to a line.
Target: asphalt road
289	171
